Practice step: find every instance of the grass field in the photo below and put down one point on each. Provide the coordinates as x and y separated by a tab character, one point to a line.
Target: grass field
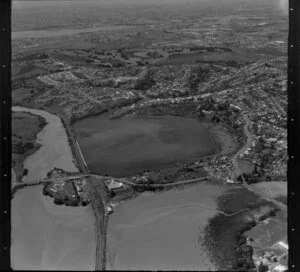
239	198
275	190
269	232
224	236
245	166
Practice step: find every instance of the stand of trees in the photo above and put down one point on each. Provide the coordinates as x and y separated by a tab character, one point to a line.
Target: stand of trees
146	80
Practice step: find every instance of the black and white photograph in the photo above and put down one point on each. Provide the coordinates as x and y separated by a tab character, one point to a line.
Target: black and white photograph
149	135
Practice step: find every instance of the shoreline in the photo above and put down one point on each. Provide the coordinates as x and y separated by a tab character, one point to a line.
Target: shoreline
20	186
227	147
81	167
100	230
68	128
101	217
178	190
225	238
217	130
72	139
23	157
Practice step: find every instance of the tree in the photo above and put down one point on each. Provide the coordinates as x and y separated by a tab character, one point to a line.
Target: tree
196	75
201	113
25	172
215	119
262	267
146	80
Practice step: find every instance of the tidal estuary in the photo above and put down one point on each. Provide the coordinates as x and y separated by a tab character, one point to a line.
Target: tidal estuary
50	237
162	231
152	231
46	236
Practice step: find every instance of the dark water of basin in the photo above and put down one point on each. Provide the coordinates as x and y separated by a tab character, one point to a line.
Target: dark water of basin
129	145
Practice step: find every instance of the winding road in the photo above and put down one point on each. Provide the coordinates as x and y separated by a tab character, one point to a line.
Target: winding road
242	151
98	200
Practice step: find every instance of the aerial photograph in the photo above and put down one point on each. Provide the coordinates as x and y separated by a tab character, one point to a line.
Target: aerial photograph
149	135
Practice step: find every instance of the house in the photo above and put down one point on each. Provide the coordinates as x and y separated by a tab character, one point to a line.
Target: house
229	180
284	245
113	184
109	210
279	268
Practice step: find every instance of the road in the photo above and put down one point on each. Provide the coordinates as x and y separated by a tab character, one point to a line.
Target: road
99	206
177	183
123	180
96	199
276	103
242	151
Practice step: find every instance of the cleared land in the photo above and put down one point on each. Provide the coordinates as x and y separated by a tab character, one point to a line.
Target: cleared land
276	190
224	234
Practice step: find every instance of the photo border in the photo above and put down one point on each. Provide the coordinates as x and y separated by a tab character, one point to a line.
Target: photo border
293	124
293	133
5	134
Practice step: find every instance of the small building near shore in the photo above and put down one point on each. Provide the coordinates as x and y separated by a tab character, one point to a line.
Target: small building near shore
115	186
284	245
229	180
279	268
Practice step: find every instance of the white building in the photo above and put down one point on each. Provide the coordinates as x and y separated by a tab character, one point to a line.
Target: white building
279	268
284	245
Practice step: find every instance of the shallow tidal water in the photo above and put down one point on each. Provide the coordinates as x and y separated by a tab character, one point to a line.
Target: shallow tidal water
55	150
162	231
46	236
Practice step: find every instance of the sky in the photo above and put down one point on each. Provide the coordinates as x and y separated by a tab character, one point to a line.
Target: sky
282	4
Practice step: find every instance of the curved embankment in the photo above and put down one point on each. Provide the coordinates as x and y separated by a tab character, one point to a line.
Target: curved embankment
19	186
98	202
125	181
76	150
54	149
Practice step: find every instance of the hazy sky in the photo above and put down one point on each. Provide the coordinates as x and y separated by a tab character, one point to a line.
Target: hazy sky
282	4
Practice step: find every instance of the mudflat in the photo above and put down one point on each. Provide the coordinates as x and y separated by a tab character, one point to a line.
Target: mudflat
162	231
46	236
25	127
